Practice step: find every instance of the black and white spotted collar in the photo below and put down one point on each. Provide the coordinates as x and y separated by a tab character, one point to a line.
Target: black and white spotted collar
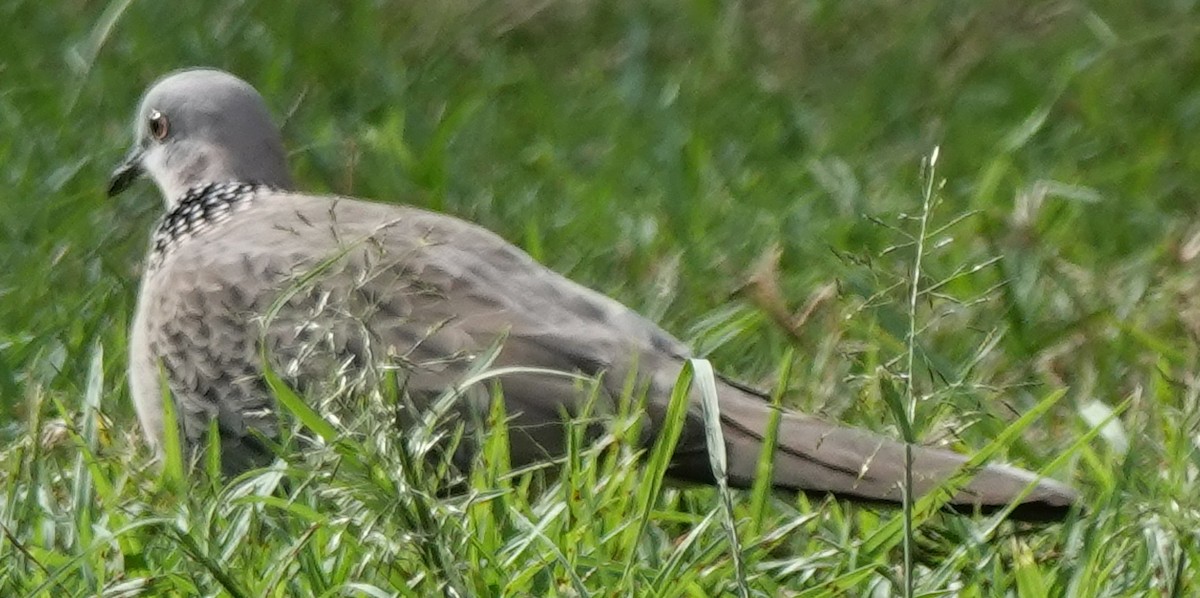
201	207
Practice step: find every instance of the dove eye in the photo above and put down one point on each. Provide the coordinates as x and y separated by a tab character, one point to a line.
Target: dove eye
159	127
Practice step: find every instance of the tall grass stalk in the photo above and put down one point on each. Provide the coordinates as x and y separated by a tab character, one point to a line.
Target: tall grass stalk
909	415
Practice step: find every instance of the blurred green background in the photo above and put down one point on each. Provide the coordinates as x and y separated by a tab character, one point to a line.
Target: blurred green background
657	150
654	150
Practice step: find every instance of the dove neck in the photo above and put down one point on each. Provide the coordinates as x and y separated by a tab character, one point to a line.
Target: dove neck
198	210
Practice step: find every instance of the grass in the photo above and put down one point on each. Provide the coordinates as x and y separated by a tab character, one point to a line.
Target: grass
655	151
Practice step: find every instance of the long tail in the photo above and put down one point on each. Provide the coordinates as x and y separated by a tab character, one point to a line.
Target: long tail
820	457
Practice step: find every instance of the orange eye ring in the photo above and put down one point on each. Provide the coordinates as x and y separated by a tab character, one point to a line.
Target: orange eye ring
159	127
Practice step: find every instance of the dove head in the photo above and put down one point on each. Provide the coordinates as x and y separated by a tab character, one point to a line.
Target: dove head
202	126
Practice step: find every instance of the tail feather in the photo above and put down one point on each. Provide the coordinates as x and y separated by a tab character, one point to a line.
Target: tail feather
815	456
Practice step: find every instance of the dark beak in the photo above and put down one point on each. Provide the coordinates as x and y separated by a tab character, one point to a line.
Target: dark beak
127	172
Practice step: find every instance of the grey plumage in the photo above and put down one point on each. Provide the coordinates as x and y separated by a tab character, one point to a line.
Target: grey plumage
242	266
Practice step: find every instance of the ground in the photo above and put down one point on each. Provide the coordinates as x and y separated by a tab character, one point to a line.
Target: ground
661	152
